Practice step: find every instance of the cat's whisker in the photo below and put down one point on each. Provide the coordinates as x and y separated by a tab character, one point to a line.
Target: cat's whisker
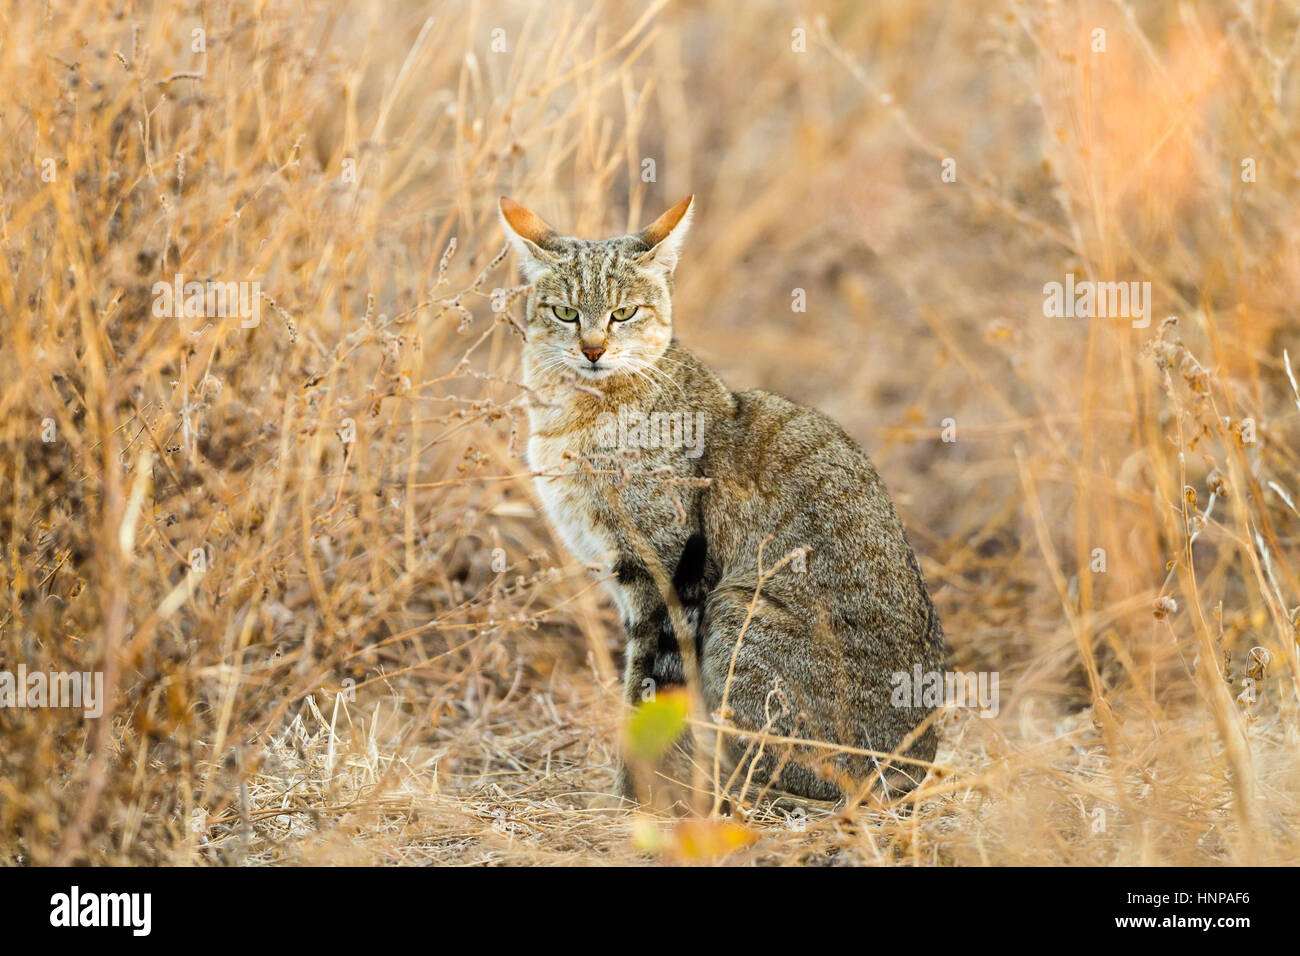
664	360
646	371
635	370
550	366
652	370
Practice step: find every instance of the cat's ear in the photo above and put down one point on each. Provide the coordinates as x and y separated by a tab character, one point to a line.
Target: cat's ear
664	236
529	234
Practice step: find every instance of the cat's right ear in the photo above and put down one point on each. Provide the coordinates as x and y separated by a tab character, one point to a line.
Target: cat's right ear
529	234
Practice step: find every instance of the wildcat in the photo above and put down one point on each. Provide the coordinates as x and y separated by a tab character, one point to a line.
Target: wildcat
678	522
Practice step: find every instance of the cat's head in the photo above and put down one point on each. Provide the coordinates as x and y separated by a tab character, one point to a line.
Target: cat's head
599	308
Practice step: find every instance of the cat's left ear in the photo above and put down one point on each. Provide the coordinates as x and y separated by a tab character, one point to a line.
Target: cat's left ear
664	236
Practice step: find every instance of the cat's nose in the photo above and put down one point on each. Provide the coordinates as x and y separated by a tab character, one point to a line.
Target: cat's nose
593	352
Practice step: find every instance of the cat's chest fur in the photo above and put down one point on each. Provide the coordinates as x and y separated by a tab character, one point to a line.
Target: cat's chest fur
593	507
573	498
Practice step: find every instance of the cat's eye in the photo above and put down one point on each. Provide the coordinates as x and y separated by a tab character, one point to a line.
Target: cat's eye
623	314
564	313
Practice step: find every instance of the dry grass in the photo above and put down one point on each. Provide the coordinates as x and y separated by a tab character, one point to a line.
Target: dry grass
483	711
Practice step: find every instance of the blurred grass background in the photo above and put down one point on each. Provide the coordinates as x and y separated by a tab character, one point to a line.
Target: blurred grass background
388	658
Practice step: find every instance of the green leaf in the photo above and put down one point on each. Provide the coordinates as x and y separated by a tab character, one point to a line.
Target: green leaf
655	724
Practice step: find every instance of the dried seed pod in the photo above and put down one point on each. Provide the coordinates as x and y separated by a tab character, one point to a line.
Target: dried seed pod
1216	483
1101	713
1197	378
1257	663
1163	607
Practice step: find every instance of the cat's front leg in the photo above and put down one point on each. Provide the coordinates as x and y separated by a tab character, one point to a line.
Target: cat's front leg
642	645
